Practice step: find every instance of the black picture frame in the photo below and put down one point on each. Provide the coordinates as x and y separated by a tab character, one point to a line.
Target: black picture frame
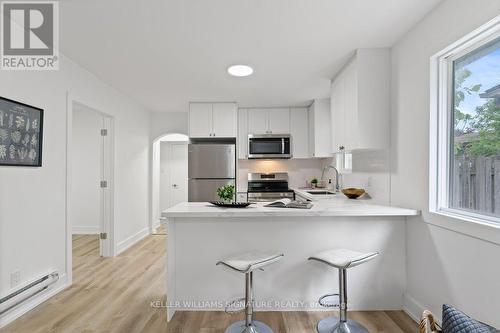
22	151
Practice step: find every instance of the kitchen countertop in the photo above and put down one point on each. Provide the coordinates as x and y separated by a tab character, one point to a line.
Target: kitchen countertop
334	207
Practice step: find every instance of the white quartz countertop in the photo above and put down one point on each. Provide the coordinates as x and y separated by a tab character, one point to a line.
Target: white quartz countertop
334	207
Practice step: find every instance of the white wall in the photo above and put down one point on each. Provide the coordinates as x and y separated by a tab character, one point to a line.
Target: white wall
32	200
86	170
443	266
370	171
168	122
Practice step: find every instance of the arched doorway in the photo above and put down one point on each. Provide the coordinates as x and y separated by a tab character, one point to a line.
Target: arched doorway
169	175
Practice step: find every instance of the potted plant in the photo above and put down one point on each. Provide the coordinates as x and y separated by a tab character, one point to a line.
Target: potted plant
226	193
314	182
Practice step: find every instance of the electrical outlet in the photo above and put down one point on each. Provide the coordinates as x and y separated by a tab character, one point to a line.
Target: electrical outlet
15	278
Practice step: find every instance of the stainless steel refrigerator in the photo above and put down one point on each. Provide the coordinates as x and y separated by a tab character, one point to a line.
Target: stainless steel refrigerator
211	165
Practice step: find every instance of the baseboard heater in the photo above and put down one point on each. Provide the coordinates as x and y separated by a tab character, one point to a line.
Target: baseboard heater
28	291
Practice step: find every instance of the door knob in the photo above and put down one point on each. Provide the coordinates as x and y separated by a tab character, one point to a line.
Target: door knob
174	185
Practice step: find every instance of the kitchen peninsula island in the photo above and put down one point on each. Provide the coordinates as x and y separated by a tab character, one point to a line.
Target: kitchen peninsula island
200	234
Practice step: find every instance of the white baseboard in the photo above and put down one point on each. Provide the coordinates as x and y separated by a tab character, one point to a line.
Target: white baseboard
33	302
128	242
412	308
156	223
85	230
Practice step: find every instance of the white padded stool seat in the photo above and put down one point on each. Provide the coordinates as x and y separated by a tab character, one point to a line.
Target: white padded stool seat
250	261
343	258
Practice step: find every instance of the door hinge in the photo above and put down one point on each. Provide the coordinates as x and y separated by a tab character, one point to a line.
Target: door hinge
104	184
103	235
104	132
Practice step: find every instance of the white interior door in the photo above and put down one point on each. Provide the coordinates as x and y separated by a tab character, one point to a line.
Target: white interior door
91	194
106	188
173	173
179	173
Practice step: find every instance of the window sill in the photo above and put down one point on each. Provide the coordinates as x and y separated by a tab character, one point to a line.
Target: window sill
483	229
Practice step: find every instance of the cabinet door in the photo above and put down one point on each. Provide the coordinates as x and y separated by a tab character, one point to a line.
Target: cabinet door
337	114
224	120
200	120
312	135
322	128
299	131
242	133
279	121
258	121
350	100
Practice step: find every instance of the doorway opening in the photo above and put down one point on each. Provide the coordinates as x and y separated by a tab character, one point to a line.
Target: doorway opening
170	176
90	181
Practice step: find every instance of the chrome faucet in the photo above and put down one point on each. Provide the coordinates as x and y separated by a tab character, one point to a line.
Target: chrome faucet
337	175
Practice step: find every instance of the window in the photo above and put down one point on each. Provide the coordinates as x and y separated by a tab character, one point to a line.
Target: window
465	127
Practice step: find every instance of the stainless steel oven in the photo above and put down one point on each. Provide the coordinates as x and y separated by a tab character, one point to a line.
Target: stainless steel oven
269	146
268	187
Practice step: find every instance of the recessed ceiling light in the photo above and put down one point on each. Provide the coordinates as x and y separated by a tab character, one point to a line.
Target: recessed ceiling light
240	70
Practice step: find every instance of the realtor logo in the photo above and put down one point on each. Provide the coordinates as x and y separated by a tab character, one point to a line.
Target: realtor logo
29	32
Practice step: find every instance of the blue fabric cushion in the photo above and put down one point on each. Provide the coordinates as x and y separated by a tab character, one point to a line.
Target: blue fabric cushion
455	321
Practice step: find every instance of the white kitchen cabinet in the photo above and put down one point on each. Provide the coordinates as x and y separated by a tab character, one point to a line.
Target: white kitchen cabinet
258	121
279	121
200	120
320	129
300	132
269	121
212	120
224	119
336	116
360	102
242	133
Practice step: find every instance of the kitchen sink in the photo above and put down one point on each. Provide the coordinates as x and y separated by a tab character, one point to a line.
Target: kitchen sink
320	192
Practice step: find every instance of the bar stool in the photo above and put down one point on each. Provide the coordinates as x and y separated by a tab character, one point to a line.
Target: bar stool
247	263
341	259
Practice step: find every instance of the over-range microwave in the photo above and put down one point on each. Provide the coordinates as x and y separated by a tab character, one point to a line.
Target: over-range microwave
268	146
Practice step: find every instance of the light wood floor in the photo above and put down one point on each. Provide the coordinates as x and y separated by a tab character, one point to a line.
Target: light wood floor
115	295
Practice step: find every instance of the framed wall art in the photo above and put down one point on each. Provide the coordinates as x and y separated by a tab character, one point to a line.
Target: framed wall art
21	133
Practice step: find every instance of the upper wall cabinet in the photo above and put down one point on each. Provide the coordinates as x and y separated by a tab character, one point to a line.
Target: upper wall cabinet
319	128
208	120
242	133
360	102
300	132
269	121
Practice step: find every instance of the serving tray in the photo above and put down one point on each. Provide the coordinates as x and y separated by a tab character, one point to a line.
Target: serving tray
231	205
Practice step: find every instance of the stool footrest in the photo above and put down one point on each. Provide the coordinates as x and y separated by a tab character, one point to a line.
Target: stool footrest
329	301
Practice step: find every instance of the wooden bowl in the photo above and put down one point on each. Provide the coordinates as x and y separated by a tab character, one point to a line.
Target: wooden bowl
353	193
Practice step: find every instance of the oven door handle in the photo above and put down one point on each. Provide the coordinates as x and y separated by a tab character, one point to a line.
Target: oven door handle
283	145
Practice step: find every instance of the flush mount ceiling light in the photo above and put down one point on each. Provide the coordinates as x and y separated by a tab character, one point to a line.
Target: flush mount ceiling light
240	70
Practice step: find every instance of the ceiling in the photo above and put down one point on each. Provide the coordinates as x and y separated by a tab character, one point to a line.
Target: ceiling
165	53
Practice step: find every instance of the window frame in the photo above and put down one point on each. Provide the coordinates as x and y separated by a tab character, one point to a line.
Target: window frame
441	116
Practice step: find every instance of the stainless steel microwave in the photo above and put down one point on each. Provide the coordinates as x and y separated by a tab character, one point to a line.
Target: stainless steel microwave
268	146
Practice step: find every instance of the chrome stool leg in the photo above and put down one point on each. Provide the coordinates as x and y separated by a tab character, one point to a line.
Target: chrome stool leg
341	324
249	325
